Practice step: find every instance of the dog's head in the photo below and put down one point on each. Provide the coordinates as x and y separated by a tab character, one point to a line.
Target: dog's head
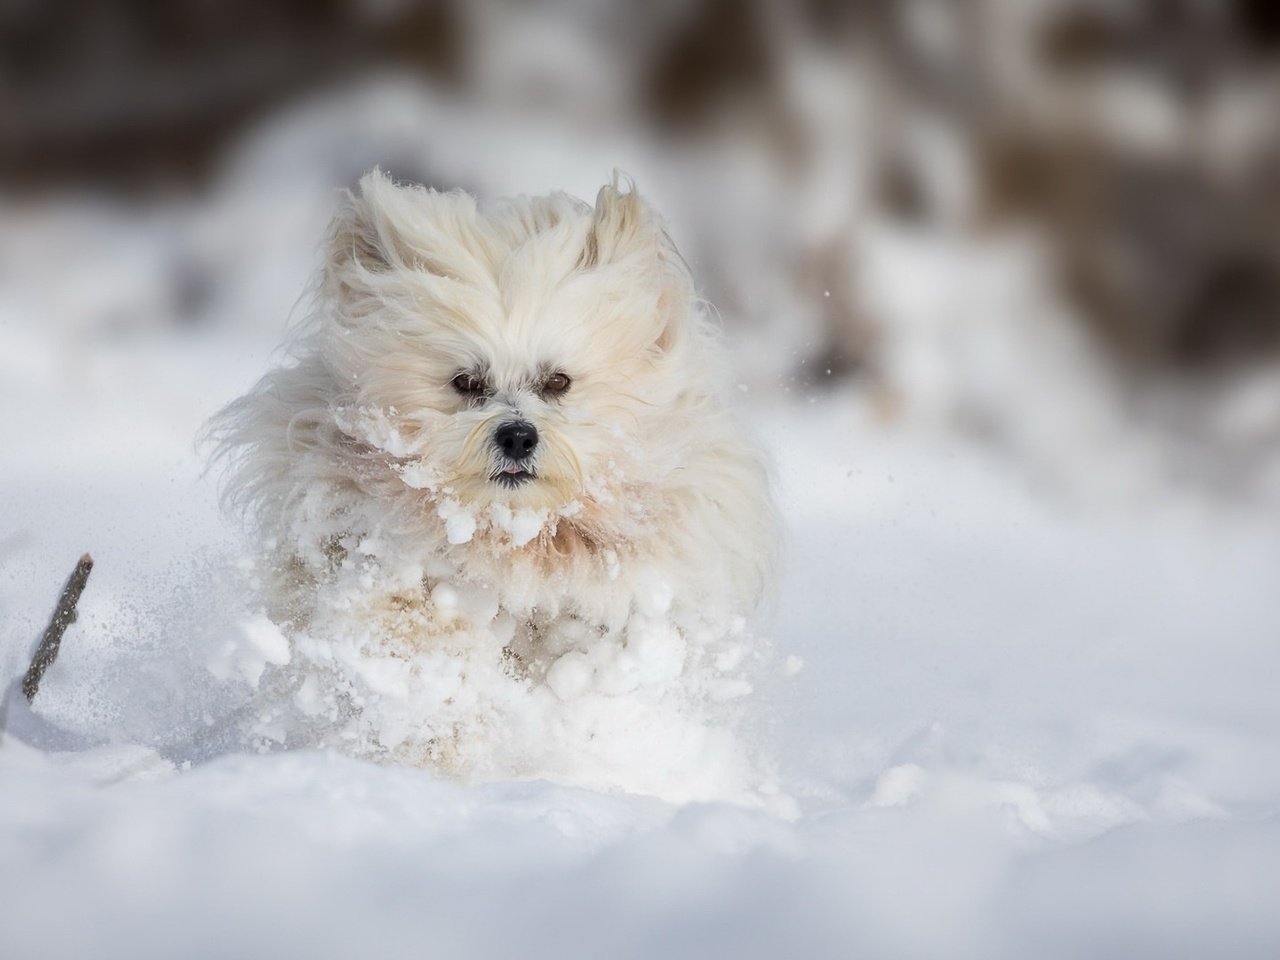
531	355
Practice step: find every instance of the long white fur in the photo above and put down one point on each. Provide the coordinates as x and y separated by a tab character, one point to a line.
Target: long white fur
359	437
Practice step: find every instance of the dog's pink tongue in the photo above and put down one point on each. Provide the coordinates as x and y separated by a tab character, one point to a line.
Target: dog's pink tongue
513	469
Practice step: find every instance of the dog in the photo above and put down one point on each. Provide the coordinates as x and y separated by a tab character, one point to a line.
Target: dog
504	429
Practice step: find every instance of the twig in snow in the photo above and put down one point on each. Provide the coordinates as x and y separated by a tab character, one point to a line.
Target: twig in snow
64	614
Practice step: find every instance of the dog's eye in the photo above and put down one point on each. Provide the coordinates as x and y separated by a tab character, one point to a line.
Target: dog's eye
469	385
556	384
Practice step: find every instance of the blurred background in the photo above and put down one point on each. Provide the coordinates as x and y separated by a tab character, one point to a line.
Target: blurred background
1052	227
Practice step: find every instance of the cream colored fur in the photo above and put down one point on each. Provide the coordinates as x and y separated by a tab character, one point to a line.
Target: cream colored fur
358	444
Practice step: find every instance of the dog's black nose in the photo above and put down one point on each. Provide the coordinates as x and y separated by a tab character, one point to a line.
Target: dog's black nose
516	439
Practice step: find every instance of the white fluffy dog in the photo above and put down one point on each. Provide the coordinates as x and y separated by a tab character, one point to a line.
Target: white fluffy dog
507	422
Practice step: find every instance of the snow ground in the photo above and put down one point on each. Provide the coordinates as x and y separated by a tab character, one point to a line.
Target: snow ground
1013	720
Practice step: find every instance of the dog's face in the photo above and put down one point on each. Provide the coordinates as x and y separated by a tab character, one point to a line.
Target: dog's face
529	356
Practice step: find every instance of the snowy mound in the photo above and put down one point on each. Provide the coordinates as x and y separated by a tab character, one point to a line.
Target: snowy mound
462	686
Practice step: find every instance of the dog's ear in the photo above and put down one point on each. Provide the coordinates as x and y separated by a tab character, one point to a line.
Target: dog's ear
385	232
623	227
365	238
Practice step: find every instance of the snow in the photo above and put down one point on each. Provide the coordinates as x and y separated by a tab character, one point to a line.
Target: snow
520	525
1016	732
459	524
1001	715
570	676
261	642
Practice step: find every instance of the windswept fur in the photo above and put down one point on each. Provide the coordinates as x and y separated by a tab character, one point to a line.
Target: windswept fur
360	443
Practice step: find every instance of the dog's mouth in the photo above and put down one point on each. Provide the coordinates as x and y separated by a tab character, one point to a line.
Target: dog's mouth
513	475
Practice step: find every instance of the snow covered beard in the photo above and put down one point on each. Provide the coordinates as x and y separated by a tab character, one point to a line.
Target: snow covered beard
503	429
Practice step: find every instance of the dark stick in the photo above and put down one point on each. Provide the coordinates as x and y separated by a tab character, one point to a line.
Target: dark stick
64	614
